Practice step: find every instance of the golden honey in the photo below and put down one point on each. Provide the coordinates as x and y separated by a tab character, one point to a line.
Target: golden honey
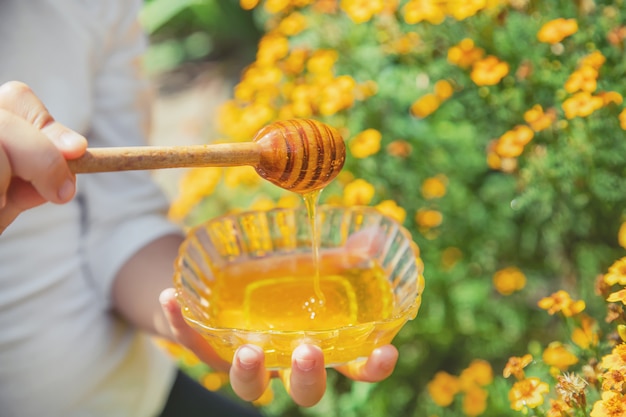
282	297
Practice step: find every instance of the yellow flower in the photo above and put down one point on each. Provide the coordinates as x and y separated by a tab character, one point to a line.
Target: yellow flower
361	11
425	105
262	204
289	200
558	408
489	71
474	401
443	89
515	366
442	388
365	143
556	30
416	11
358	193
611	404
527	393
213	381
479	372
511	143
322	61
428	219
539	120
294	63
465	53
248	4
581	104
616	359
392	209
196	184
434	187
241	176
609	97
461	10
583	79
276	6
616	273
292	24
561	301
508	280
272	47
622	119
594	59
557	355
585	336
266	398
617	296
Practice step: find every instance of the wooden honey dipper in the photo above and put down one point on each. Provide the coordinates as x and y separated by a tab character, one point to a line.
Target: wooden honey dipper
299	155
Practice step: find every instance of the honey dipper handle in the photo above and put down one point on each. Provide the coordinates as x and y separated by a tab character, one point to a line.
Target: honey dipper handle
158	157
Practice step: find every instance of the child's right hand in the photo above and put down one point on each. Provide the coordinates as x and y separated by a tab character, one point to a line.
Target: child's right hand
33	151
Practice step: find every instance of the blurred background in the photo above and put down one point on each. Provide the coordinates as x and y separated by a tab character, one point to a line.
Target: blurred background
494	130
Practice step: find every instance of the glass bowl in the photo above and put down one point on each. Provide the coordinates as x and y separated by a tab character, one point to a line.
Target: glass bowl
254	277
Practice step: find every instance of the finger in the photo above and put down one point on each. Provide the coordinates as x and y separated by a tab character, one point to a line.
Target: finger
32	157
307	379
19	99
378	366
5	177
187	336
248	376
19	197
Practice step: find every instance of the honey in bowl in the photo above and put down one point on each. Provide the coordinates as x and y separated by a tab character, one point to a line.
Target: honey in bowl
251	277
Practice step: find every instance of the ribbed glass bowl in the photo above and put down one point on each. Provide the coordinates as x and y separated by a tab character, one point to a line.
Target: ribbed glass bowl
261	262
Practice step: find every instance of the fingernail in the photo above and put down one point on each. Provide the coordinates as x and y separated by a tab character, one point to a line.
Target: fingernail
248	357
304	364
70	139
67	190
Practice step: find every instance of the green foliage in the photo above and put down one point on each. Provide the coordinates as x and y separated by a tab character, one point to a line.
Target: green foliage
553	211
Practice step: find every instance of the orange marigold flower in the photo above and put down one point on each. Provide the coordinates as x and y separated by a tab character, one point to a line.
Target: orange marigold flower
392	209
248	4
616	359
276	6
515	366
271	48
292	24
616	273
365	143
361	11
443	387
511	143
416	11
434	187
358	193
479	372
561	301
461	10
489	71
612	404
558	408
443	89
557	355
609	97
617	296
586	335
425	105
556	30
428	218
527	393
622	119
581	104
508	280
583	79
322	61
613	380
594	59
474	401
539	120
465	53
400	148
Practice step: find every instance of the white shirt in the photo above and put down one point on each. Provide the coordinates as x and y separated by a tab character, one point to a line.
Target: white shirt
62	352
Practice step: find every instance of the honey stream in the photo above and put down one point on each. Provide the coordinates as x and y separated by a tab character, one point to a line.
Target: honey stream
316	304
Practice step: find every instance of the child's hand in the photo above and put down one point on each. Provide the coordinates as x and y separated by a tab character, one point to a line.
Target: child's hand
33	150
